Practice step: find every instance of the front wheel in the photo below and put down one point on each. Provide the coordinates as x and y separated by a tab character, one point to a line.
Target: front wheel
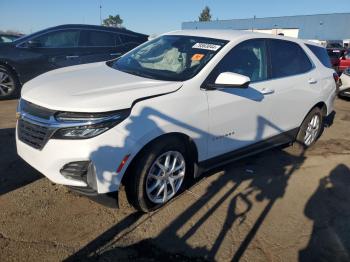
158	174
9	84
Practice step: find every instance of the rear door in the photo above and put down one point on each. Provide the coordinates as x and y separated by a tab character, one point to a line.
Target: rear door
97	46
294	82
129	42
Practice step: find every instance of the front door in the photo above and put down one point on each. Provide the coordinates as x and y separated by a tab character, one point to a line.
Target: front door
239	117
52	50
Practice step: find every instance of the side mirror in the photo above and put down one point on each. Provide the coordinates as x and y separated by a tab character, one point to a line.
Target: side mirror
232	80
33	44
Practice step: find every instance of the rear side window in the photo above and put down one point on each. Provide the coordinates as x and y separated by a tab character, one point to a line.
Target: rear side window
288	59
100	39
321	54
128	39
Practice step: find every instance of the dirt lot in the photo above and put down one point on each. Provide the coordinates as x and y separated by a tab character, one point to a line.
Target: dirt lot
280	205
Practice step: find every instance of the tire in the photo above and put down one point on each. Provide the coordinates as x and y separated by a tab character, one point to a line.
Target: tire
9	84
311	128
146	174
344	94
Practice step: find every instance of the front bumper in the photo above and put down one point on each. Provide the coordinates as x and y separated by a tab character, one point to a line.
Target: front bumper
105	152
108	199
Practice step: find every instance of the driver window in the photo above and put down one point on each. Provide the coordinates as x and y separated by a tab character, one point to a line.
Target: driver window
59	39
247	58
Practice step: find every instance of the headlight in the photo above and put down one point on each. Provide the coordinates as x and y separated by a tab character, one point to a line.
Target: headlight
87	125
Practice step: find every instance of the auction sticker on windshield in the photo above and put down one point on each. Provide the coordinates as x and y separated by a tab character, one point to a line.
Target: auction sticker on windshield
205	46
197	57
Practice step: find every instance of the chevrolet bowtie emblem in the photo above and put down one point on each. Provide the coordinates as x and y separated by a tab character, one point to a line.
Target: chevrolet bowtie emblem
18	115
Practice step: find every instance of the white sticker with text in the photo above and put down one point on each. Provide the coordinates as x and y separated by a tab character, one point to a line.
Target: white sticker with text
210	47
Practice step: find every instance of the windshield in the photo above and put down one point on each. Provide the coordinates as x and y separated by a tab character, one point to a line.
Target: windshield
171	58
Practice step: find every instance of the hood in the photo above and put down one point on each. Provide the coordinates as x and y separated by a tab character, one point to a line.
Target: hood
92	87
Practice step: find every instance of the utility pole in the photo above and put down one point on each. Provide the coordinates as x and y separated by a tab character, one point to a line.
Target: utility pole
100	14
253	23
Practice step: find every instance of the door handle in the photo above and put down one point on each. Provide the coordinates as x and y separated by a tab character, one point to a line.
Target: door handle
116	54
71	56
312	81
267	91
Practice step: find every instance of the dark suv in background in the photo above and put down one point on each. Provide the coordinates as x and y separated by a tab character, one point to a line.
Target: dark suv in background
65	45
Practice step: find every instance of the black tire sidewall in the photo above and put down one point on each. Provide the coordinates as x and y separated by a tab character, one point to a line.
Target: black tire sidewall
137	195
304	125
15	92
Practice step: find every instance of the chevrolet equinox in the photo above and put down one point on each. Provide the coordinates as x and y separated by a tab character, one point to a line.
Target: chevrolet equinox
176	105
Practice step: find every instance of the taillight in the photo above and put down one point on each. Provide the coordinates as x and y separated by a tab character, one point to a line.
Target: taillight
337	82
336	77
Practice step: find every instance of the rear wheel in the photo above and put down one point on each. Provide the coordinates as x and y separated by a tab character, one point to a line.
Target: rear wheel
311	128
9	84
158	174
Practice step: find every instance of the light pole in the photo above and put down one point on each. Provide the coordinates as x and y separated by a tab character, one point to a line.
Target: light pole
100	15
253	23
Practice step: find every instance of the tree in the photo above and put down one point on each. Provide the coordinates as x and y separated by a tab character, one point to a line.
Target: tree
205	15
113	21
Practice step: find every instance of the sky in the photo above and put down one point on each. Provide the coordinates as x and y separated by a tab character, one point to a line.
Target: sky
149	16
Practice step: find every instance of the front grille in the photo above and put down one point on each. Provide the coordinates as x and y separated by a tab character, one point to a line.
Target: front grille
33	135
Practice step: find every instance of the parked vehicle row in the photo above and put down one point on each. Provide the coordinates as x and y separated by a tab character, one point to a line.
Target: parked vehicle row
344	90
179	104
340	59
61	46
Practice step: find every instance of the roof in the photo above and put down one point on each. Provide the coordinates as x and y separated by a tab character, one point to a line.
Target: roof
98	27
216	33
231	35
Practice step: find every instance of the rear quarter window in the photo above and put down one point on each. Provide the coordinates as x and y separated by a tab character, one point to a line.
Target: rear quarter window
321	54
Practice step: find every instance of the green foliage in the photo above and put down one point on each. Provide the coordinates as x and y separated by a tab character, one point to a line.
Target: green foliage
113	21
205	15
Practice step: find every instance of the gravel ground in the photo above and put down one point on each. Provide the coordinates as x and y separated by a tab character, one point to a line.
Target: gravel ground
280	205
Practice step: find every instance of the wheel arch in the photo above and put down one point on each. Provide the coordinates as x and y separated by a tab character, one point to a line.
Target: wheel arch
322	106
10	67
189	144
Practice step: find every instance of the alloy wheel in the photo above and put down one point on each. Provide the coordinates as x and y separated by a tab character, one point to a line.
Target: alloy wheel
165	177
7	84
312	130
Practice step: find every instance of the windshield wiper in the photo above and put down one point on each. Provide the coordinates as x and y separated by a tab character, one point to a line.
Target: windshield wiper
138	73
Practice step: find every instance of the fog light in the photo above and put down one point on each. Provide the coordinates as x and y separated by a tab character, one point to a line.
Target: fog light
76	170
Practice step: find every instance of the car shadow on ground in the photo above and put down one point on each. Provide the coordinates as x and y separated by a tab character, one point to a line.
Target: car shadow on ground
14	172
267	184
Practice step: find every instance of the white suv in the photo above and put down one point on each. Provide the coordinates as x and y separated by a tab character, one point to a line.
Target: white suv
174	106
